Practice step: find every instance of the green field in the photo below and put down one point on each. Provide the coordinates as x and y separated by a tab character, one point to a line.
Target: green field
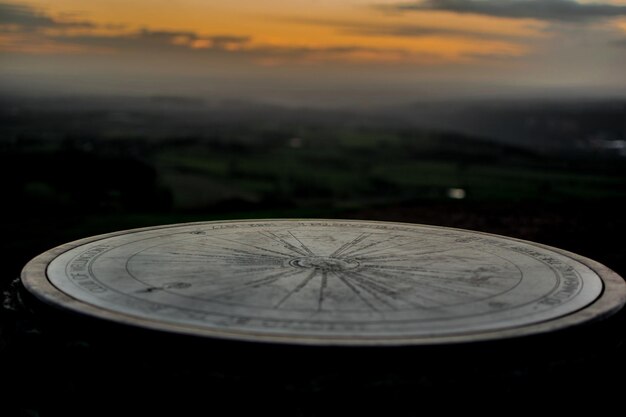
352	168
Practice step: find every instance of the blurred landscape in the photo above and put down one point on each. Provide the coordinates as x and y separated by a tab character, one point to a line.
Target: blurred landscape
548	171
75	166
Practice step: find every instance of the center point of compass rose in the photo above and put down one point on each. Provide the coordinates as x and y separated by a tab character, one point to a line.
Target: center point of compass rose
324	263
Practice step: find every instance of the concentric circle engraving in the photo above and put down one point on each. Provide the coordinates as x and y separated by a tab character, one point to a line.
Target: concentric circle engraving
324	263
323	281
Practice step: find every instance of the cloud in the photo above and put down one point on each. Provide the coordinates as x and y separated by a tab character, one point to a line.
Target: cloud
226	47
32	31
410	31
401	30
330	53
182	39
28	30
27	18
549	10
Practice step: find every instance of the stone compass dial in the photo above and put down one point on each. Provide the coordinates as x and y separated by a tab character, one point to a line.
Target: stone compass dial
325	282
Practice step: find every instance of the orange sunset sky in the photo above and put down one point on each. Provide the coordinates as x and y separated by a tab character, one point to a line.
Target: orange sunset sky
292	49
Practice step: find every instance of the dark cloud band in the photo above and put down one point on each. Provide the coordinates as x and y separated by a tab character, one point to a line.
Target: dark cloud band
34	22
550	10
27	18
400	30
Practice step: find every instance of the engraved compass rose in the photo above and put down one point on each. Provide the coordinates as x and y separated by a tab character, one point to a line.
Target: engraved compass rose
324	281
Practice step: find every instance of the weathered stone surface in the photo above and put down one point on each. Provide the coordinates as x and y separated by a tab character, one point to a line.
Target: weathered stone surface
326	282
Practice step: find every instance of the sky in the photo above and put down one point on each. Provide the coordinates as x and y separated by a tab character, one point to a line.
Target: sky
315	51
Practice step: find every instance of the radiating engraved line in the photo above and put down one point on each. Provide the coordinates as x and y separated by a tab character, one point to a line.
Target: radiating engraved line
469	272
461	284
380	259
230	260
226	251
456	290
239	262
269	258
417	277
499	272
413	293
386	249
283	242
413	254
450	290
357	250
255	283
443	274
305	247
373	290
356	291
253	246
427	291
353	242
221	251
204	257
201	275
410	242
320	300
297	288
240	250
417	268
237	276
238	282
381	287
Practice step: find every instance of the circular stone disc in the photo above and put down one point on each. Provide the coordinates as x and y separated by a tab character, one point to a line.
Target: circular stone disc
325	282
